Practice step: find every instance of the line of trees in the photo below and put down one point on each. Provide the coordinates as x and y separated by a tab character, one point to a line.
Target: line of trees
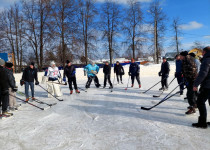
45	30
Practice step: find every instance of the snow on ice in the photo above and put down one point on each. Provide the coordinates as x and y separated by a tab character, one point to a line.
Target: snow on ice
101	120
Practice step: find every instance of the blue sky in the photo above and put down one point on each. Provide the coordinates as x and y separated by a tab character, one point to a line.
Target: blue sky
194	16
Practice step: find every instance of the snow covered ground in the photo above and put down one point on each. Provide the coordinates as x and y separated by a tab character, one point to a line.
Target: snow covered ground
101	120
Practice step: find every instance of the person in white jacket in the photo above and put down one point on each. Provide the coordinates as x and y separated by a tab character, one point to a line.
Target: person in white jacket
53	75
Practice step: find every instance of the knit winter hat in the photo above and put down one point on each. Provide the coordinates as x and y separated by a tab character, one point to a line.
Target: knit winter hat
32	63
192	54
2	62
9	64
185	53
52	63
67	62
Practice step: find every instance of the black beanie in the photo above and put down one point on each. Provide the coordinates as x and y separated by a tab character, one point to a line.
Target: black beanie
192	54
67	62
185	53
9	64
32	63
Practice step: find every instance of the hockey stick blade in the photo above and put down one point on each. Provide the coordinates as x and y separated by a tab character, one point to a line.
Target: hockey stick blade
144	108
156	95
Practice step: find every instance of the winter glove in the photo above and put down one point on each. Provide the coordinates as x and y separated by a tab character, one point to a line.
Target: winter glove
160	74
37	83
15	89
129	73
22	82
74	72
85	73
166	75
64	79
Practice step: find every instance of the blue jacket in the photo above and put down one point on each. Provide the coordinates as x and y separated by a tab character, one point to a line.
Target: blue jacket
178	66
89	68
134	69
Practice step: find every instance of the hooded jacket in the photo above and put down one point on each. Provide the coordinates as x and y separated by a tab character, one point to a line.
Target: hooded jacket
69	71
29	75
204	73
134	69
90	68
7	79
118	69
189	68
107	69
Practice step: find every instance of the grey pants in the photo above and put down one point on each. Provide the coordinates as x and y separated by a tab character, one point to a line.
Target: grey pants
12	99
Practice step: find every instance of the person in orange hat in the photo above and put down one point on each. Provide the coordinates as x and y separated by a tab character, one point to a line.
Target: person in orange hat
134	71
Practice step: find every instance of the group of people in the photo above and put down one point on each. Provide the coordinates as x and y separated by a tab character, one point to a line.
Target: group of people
7	89
190	72
194	73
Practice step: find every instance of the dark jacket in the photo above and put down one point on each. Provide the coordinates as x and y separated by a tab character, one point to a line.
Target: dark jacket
204	73
134	69
7	79
178	66
165	68
69	71
118	69
107	69
189	68
29	75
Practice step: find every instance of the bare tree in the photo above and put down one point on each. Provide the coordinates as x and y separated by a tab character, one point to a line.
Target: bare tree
110	25
159	18
64	16
87	13
131	26
176	29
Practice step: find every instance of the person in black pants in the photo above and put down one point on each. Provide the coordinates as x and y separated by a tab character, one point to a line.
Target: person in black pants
118	69
70	72
203	79
7	81
134	70
178	73
164	72
28	77
107	73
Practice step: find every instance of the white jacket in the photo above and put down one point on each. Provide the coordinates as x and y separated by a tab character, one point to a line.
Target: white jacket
53	72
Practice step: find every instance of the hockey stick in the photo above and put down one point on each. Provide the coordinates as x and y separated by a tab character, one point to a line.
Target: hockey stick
81	89
152	87
127	83
163	90
28	102
50	93
164	99
36	100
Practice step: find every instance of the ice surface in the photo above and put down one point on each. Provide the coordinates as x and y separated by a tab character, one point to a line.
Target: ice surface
101	120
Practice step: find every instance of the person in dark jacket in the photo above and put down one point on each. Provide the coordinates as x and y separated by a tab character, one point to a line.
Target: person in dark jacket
134	71
7	81
178	73
107	74
69	72
189	70
164	73
118	69
28	77
203	79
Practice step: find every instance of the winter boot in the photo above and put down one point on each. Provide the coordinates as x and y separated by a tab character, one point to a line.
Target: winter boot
71	92
190	111
121	82
139	85
77	91
27	99
104	87
181	92
111	87
33	98
201	123
162	88
132	85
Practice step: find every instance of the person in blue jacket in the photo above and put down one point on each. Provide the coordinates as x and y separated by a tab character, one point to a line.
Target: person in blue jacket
91	70
178	73
134	72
